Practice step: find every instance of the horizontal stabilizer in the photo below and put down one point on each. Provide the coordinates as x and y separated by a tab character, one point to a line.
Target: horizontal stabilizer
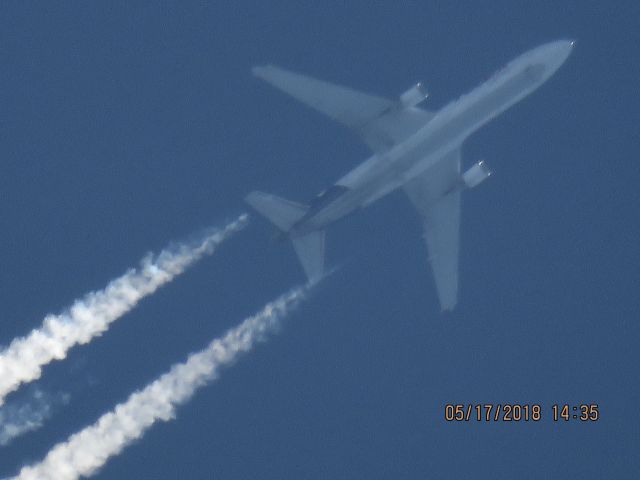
282	213
310	250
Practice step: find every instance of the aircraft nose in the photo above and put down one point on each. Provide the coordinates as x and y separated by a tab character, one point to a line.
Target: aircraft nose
563	49
567	47
555	53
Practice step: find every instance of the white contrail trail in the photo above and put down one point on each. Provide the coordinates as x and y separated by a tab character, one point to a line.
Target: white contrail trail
23	359
88	450
27	415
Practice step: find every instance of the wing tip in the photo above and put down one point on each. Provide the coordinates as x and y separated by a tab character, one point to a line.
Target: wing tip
261	71
448	299
446	309
448	304
253	198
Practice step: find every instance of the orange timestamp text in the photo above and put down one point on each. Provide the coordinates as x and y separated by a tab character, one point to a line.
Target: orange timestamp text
519	412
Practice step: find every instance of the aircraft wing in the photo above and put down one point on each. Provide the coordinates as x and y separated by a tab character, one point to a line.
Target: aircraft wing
381	123
437	199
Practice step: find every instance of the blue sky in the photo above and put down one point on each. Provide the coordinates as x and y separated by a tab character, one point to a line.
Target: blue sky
127	125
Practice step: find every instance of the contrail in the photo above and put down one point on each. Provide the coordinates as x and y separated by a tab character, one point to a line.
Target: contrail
88	450
23	359
25	416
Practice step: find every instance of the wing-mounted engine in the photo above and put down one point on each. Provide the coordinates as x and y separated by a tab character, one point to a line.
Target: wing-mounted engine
475	175
415	95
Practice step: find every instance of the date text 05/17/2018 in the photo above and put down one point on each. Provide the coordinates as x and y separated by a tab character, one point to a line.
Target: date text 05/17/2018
517	412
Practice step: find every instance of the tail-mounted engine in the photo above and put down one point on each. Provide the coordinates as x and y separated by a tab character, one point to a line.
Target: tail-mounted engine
412	97
476	174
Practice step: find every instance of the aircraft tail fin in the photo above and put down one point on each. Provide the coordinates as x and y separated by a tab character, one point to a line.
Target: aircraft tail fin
284	214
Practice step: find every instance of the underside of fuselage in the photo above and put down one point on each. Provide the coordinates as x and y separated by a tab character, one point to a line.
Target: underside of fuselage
414	149
382	174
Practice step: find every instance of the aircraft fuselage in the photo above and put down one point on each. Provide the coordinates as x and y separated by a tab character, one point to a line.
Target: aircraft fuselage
384	172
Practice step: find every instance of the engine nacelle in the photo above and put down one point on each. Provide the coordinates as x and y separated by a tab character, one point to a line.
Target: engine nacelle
476	174
412	97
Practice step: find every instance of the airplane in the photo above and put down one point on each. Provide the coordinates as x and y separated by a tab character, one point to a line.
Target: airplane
413	149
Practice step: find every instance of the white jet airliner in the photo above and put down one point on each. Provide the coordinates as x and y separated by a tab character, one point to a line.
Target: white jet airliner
413	148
